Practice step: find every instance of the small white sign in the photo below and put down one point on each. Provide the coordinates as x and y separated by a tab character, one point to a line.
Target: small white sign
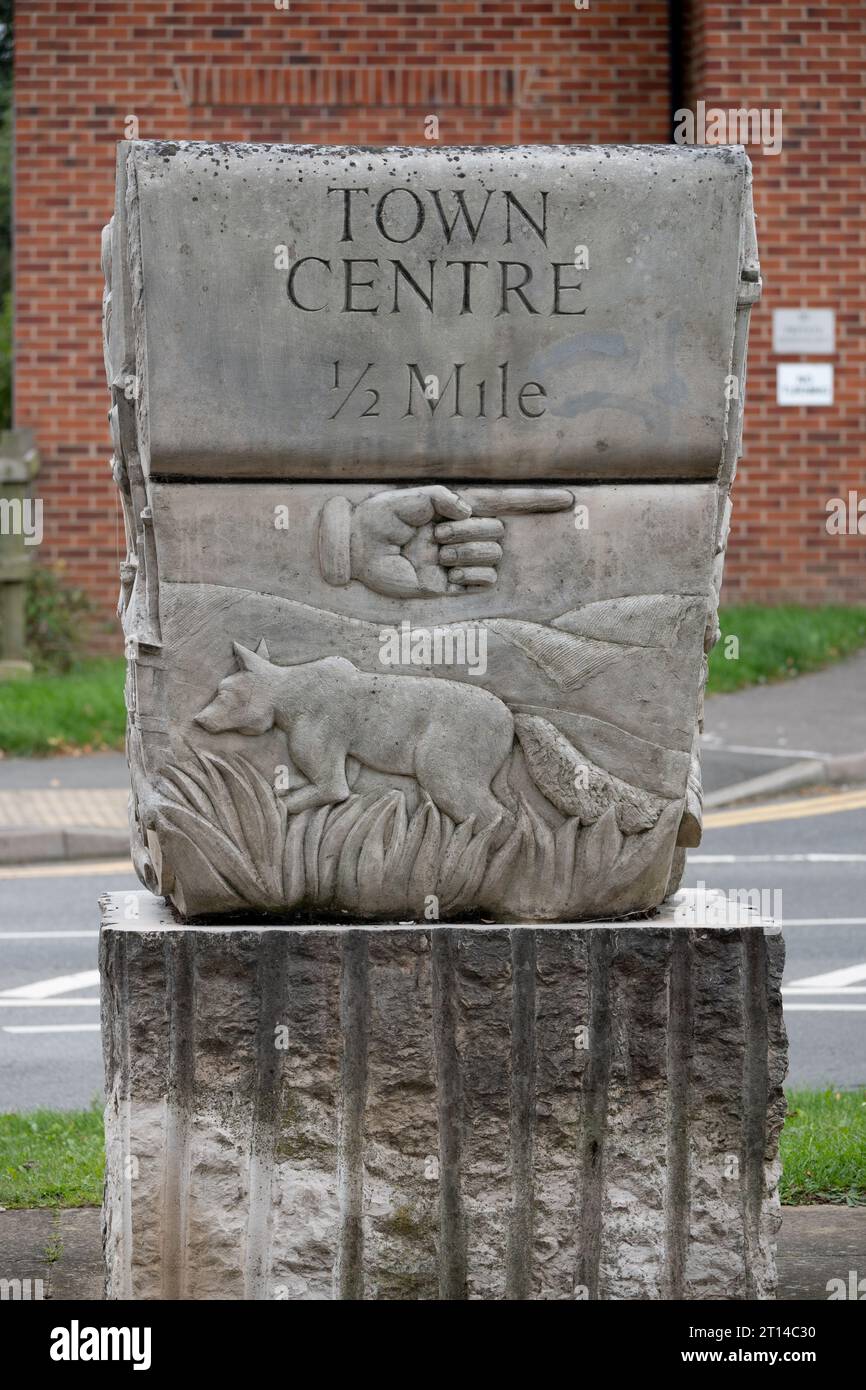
804	383
804	330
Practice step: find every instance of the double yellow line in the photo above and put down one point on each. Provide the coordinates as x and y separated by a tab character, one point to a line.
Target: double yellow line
827	805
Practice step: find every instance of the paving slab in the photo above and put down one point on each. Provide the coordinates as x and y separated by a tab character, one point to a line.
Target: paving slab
782	728
819	714
99	770
63	808
817	1244
55	1254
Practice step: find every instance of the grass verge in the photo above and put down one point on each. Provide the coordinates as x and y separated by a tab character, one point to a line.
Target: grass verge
80	711
774	644
824	1148
52	1158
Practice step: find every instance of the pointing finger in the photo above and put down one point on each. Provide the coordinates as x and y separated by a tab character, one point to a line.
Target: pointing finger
513	501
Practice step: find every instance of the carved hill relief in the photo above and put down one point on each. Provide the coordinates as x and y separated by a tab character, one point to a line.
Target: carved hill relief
297	757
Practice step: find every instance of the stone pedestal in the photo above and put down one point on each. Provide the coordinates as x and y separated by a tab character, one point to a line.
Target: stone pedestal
20	534
440	1112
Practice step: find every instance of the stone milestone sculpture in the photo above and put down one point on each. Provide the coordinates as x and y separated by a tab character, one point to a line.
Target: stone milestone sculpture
425	458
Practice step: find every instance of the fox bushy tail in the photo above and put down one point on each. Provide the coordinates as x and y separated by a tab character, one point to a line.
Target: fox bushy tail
578	787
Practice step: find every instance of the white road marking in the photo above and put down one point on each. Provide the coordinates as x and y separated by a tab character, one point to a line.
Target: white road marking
794	990
825	1008
709	745
815	858
785	922
44	1003
832	979
843	981
57	984
44	935
78	869
52	1028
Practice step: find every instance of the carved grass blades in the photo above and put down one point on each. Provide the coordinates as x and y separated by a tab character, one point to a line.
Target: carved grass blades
369	857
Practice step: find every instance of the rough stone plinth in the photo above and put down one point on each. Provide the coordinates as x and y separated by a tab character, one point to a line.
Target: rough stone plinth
440	1112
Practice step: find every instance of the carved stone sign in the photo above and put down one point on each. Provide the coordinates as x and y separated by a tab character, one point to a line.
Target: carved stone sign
572	306
425	459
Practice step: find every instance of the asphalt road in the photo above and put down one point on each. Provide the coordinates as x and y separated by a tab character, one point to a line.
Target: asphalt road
49	1039
816	863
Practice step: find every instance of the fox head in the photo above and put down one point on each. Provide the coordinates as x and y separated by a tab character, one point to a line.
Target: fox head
243	701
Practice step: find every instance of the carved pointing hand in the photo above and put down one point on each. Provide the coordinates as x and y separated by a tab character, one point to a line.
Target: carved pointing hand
424	541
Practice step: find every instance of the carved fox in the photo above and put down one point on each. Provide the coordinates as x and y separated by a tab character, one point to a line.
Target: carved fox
451	737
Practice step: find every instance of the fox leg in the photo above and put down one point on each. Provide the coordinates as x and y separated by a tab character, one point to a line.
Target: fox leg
324	765
458	791
456	772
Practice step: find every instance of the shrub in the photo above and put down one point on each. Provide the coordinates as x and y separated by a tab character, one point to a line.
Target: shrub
56	621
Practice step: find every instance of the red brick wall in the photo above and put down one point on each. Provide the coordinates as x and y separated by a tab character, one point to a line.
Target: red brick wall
807	59
493	73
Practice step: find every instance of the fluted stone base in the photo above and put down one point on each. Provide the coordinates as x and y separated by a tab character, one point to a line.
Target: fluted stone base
487	1112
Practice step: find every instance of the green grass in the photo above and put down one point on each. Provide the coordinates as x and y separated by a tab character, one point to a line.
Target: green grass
824	1148
82	710
774	644
51	1158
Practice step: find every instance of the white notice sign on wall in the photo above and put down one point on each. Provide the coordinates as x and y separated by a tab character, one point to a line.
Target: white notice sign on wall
804	330
804	383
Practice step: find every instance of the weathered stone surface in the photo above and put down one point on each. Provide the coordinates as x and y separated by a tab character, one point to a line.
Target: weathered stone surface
425	460
489	1112
447	643
399	766
446	260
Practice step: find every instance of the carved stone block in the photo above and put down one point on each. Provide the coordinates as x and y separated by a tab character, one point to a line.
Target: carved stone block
561	1112
425	459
